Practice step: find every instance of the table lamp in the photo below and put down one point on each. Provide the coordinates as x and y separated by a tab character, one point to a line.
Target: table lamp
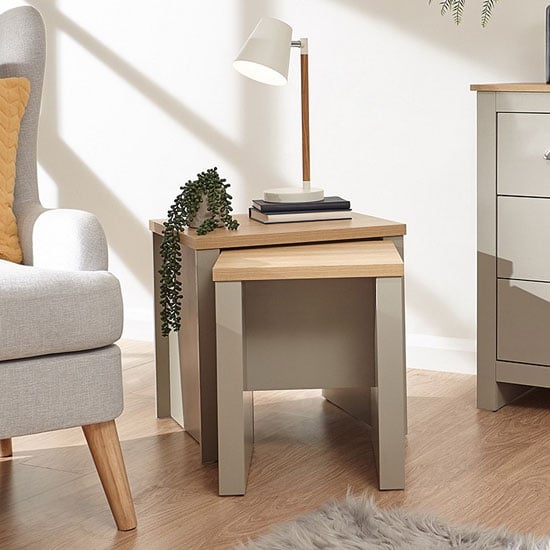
265	57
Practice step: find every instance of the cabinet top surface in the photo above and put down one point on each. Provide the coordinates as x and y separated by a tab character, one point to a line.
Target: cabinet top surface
512	87
253	233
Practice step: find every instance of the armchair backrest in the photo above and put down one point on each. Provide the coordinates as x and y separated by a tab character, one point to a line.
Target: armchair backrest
23	53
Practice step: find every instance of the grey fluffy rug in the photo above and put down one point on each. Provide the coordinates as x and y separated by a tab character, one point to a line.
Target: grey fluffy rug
357	524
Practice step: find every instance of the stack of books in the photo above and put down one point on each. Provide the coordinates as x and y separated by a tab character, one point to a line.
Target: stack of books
330	208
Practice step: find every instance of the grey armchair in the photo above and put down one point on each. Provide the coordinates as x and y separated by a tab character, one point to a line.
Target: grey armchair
60	311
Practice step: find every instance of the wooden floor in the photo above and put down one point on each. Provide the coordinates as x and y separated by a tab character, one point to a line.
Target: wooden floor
464	464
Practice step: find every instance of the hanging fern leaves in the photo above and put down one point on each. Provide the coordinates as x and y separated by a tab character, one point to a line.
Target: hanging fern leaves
207	187
444	5
486	11
456	9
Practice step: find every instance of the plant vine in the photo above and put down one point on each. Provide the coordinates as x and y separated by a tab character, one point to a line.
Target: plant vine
208	188
456	9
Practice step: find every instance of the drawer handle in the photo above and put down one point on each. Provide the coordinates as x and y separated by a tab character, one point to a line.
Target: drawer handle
546	155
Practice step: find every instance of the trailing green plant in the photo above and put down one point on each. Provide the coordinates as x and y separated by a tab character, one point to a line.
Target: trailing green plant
210	189
456	9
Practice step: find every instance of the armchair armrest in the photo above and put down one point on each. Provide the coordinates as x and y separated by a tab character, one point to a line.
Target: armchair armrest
61	239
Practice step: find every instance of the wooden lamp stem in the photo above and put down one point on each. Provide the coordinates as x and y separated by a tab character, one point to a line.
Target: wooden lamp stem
306	193
305	114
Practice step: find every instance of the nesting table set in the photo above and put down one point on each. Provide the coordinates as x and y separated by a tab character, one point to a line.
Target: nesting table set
288	306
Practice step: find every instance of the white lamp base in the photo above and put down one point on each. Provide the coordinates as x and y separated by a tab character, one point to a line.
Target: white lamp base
294	194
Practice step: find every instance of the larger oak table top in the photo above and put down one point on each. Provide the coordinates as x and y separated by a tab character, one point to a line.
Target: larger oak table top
253	233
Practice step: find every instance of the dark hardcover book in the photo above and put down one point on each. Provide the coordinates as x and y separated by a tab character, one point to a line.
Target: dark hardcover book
328	203
300	216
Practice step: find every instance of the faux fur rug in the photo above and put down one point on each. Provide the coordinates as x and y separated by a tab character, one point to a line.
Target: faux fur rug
357	524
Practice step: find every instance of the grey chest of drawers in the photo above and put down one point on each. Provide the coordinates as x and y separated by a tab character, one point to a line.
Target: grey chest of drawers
513	265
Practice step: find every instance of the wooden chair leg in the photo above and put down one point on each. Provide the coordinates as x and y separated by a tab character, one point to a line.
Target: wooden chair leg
5	448
104	445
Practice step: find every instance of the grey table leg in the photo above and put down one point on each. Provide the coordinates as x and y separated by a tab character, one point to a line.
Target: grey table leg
197	346
388	415
162	358
235	406
400	245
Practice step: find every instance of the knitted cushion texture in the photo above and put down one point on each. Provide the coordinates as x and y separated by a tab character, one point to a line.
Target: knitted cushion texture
14	94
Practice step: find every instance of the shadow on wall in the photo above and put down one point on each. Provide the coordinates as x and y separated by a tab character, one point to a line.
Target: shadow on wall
78	185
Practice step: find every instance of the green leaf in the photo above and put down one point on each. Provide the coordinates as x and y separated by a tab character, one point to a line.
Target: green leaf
486	11
458	10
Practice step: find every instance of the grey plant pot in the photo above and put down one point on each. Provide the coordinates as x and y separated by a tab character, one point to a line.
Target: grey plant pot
203	214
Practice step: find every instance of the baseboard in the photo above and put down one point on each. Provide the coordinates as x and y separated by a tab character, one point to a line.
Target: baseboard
441	353
138	325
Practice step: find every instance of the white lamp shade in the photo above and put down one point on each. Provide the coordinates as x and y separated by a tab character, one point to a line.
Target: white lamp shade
266	54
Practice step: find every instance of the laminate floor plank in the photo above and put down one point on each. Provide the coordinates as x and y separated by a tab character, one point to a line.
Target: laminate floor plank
465	465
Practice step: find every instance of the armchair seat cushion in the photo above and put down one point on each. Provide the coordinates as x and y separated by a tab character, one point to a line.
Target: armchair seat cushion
46	311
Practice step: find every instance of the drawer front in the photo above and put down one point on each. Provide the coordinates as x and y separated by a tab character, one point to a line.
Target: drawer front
523	140
523	238
523	322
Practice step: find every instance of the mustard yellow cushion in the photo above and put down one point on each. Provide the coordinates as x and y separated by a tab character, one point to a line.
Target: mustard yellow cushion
14	94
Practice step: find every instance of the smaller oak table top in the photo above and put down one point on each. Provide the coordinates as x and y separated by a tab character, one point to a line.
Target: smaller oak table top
338	260
253	233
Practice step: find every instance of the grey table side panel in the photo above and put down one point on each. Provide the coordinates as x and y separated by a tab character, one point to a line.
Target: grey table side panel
309	333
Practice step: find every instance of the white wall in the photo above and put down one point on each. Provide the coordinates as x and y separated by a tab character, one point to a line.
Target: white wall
140	96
